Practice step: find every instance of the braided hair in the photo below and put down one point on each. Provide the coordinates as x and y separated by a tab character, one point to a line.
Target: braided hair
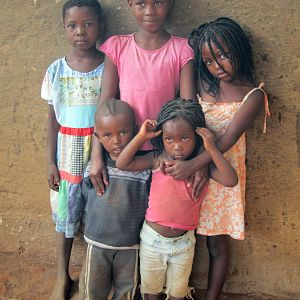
187	110
229	32
94	4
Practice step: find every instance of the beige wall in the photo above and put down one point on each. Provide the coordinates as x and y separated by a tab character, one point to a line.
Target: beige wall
268	261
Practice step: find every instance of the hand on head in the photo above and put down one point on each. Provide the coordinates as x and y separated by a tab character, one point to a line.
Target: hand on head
208	138
147	130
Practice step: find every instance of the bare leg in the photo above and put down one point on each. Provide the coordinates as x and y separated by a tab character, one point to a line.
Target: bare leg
218	265
63	280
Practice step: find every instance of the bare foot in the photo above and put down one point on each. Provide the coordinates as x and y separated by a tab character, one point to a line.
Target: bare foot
61	289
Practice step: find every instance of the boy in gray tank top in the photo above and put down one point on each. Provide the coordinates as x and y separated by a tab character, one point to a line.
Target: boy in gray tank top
114	218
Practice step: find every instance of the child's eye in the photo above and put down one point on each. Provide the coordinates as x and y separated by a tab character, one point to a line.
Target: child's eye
122	132
157	3
89	24
223	56
208	62
107	134
71	26
168	139
140	3
185	138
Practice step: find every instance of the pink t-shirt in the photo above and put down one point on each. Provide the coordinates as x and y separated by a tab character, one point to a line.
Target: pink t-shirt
147	78
171	203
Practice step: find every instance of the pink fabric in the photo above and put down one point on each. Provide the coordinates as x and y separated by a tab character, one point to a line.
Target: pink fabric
171	203
147	78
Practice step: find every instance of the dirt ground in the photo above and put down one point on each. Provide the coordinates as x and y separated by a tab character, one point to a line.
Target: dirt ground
30	278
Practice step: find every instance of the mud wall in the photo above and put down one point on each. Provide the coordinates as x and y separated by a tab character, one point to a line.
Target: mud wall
32	36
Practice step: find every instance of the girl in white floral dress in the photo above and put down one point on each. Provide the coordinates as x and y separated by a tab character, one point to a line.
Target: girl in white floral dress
231	101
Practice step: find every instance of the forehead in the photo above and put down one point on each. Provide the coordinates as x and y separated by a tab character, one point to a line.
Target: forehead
206	51
177	126
113	121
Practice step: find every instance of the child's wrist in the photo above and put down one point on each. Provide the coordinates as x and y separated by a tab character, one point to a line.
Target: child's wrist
51	162
141	137
211	149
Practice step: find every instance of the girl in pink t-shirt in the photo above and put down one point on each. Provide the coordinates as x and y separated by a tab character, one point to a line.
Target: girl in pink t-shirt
167	237
145	69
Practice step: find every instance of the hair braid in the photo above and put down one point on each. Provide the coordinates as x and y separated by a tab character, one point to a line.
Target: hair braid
239	53
187	110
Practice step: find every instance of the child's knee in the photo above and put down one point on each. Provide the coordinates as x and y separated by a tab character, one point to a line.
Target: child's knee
217	246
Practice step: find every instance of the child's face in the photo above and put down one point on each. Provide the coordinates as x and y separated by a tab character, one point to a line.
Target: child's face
222	68
178	138
83	27
150	14
114	132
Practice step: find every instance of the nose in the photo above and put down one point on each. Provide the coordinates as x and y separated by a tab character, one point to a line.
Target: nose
116	139
177	146
216	65
80	30
149	10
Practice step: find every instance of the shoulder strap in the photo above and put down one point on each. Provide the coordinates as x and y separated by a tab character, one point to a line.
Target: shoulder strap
267	111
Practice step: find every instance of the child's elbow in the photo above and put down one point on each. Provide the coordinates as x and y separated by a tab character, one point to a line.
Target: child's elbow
232	181
119	165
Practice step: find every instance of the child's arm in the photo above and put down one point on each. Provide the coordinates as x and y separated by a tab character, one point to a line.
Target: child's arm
187	81
188	91
52	132
242	121
220	169
109	89
127	159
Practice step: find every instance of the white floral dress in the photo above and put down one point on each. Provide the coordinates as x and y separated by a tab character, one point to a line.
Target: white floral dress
223	208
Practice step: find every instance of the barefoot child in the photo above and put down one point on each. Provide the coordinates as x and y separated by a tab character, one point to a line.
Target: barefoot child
114	220
231	100
167	236
71	86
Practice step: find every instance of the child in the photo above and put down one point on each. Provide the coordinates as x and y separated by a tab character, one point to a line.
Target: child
167	236
114	220
148	68
71	87
231	101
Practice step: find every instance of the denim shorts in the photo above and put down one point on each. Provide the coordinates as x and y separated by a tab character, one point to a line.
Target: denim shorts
166	263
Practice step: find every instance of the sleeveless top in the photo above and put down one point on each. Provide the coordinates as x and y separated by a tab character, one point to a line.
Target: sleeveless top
223	208
171	203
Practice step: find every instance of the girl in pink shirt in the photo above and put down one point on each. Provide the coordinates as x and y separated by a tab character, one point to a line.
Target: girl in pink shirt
167	237
145	69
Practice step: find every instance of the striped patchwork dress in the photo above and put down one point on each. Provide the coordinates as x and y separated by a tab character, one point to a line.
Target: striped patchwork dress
74	96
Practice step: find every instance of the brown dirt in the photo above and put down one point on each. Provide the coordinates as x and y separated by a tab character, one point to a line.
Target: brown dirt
31	278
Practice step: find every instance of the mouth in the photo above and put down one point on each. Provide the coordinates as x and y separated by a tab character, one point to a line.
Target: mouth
178	157
222	75
150	21
81	42
117	151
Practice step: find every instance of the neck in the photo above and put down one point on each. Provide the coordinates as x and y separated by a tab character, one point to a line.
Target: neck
151	41
78	54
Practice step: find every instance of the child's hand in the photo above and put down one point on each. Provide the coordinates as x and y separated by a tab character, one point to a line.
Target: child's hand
147	130
208	138
53	177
